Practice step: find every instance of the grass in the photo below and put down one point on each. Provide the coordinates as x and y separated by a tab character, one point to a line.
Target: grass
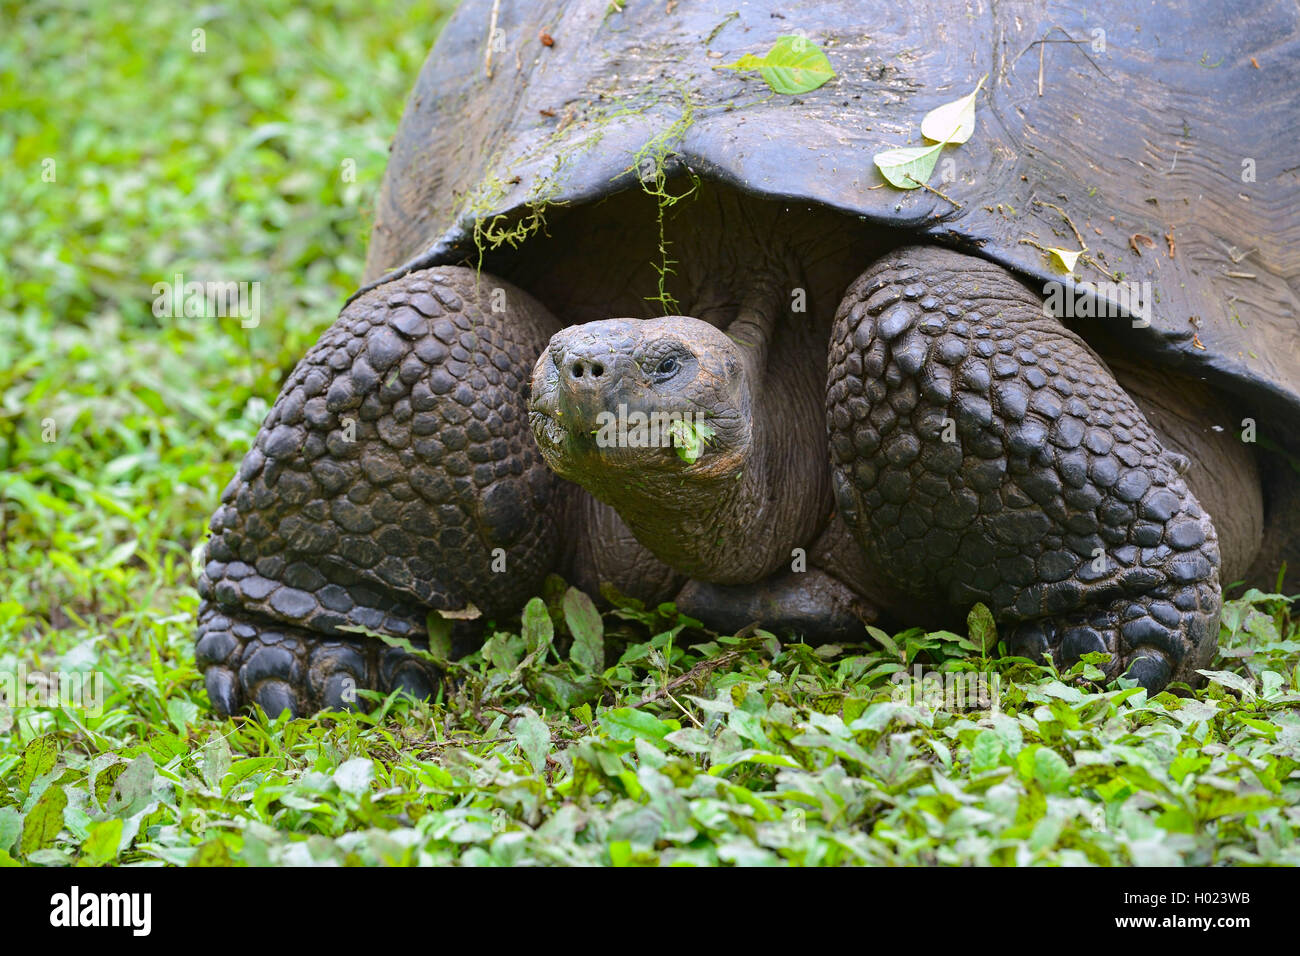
633	739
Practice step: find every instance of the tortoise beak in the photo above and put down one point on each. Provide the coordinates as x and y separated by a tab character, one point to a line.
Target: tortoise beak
585	371
591	379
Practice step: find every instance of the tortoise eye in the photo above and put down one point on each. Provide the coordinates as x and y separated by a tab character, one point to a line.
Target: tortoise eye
667	366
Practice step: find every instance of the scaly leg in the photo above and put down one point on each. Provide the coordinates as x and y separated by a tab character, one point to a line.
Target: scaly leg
982	452
395	475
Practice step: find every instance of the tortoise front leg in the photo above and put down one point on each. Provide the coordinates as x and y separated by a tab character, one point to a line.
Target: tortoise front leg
395	475
982	452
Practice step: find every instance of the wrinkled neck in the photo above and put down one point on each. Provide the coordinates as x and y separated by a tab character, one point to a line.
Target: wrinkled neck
741	526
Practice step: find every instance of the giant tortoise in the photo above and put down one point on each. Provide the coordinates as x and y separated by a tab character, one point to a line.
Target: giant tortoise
877	403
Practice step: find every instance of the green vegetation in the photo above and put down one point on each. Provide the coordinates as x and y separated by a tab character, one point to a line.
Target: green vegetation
636	738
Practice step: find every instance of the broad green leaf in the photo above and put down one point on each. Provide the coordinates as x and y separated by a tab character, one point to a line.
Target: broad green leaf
981	627
106	779
44	821
133	787
438	626
690	739
536	626
953	122
565	692
794	65
182	713
1233	681
620	853
103	842
534	739
628	723
986	752
1050	769
216	759
11	824
690	438
354	776
212	852
38	758
1229	804
588	651
908	167
242	769
885	641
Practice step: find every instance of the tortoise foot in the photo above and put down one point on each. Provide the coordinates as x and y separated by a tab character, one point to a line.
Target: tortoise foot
1153	638
278	668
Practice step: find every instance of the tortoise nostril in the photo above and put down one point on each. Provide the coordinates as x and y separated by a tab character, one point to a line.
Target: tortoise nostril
597	370
576	371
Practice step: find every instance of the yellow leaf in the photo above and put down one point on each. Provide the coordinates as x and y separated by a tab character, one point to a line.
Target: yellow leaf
1065	258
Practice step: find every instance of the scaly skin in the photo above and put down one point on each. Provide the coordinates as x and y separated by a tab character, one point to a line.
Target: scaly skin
317	532
1050	461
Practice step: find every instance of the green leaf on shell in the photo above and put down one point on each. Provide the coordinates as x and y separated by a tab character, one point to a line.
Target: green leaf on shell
908	167
794	65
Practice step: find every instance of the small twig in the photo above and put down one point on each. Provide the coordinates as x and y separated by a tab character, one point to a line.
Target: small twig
1083	246
492	31
471	742
1078	45
1037	245
1097	265
695	720
928	188
702	669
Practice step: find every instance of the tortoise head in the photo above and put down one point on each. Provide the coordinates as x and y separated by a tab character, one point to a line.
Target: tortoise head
641	406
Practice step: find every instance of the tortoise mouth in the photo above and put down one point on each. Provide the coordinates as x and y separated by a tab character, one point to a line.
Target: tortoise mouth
620	436
546	428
